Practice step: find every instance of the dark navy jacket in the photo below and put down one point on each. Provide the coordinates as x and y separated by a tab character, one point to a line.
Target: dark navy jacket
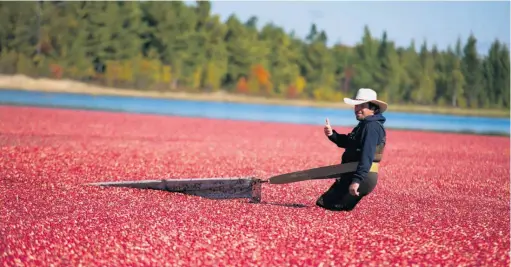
360	144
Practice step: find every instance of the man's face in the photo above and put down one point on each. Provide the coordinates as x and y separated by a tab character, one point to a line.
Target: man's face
362	111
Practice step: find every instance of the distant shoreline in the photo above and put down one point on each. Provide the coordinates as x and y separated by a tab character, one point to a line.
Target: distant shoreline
22	82
462	132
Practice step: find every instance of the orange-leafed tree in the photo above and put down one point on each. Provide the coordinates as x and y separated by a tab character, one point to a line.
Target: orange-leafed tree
262	76
56	71
242	85
295	89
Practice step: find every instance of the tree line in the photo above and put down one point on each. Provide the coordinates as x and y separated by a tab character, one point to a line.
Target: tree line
171	46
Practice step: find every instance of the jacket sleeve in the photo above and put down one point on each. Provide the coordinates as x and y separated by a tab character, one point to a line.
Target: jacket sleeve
369	139
341	140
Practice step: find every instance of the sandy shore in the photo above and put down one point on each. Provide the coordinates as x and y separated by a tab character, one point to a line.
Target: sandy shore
22	82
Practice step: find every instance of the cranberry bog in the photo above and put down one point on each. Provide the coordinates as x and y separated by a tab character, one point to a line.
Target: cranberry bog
442	199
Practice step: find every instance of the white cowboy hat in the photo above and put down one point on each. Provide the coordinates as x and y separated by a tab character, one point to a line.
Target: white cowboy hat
365	95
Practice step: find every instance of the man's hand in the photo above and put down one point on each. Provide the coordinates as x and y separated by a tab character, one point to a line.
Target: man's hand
328	128
354	189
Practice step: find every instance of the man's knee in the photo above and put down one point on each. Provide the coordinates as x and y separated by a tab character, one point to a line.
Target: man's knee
337	208
343	206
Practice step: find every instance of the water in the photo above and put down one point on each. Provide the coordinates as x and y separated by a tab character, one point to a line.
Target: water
252	112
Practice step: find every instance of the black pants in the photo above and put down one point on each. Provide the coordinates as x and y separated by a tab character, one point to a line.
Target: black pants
338	197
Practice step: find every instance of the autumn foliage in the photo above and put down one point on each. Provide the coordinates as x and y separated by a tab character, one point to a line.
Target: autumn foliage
263	79
185	46
296	89
426	209
56	71
242	86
